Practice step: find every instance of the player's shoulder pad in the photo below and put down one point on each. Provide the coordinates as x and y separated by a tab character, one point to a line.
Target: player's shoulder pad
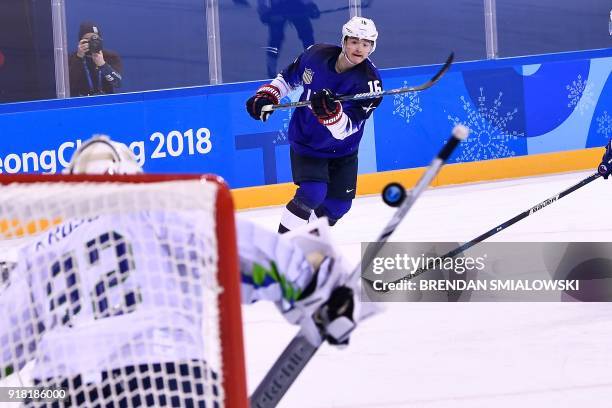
371	70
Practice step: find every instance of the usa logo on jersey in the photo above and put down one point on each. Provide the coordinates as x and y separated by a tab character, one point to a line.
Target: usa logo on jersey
307	76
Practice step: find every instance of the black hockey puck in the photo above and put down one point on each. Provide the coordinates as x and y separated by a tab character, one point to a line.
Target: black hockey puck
393	194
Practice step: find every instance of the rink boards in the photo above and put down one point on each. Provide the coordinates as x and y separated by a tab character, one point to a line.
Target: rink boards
528	115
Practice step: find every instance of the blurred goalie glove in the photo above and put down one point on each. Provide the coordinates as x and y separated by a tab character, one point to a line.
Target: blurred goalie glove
327	309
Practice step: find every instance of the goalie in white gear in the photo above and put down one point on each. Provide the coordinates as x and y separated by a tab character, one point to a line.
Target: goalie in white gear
77	339
101	155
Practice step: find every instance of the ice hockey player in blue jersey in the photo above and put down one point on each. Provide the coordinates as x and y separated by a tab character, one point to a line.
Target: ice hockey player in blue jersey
325	138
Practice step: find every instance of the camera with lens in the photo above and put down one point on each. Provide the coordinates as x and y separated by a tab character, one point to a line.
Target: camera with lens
95	44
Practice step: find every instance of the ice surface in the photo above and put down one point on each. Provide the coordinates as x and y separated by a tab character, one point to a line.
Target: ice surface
442	355
462	355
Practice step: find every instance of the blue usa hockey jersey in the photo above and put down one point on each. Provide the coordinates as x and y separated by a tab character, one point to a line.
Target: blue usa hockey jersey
315	70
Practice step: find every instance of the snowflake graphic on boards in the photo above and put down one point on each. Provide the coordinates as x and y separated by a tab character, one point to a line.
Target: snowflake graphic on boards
406	105
604	125
489	134
580	95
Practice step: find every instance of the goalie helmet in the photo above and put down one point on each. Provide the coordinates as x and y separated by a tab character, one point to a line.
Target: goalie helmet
362	28
101	155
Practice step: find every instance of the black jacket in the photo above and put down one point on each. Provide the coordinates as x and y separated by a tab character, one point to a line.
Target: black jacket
103	80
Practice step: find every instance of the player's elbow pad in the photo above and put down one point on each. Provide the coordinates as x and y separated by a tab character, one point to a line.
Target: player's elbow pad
282	85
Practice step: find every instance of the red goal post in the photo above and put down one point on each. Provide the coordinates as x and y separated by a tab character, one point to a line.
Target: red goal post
233	375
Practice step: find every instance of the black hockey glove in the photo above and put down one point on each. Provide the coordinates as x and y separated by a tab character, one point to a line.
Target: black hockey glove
326	308
605	168
325	107
266	95
335	317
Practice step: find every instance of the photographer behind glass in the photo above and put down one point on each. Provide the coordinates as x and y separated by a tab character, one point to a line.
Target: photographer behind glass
93	70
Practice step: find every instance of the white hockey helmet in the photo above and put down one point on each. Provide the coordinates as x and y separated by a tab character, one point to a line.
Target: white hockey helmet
101	155
362	28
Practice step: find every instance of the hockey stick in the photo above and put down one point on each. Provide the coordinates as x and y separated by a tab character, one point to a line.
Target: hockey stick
299	351
506	224
372	95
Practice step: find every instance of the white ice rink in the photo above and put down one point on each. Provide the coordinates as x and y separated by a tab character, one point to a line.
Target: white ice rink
456	355
459	355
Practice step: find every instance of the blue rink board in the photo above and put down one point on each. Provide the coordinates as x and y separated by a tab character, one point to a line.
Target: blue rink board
515	107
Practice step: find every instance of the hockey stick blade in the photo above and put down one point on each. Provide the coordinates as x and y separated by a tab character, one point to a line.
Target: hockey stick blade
504	225
373	95
298	353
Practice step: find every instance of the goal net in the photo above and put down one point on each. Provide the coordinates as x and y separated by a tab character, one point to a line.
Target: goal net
122	291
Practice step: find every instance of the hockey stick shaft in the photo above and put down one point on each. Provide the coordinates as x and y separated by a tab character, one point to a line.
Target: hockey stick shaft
509	222
524	214
298	353
425	180
372	95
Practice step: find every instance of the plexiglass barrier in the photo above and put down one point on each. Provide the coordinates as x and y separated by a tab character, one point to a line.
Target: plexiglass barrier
164	44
